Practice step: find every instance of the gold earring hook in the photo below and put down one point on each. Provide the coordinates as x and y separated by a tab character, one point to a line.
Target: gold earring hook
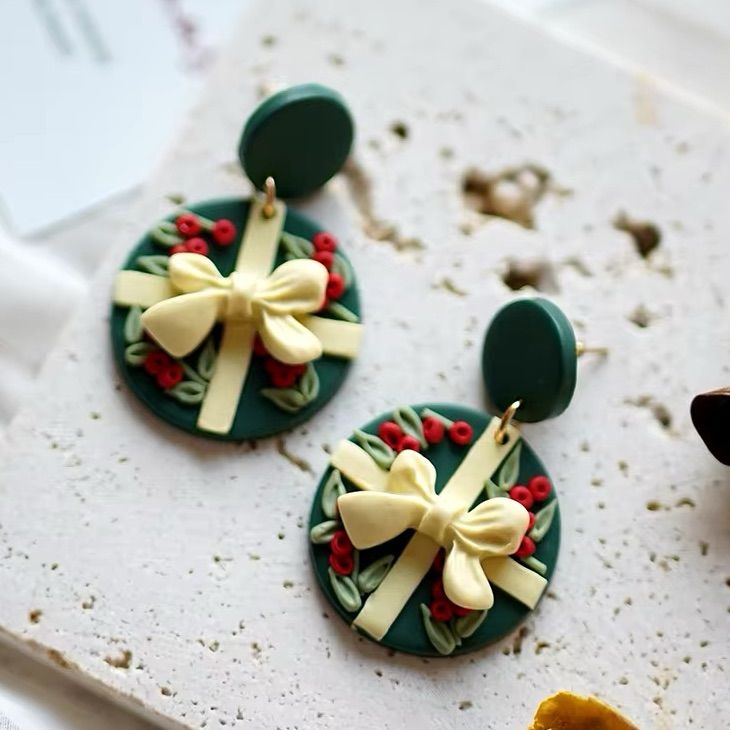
582	349
507	416
269	207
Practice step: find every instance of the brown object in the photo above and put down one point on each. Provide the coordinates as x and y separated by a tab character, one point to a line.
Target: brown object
711	417
566	711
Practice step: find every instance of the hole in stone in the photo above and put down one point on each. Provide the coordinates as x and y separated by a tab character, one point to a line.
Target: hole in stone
399	129
511	194
539	275
641	317
646	235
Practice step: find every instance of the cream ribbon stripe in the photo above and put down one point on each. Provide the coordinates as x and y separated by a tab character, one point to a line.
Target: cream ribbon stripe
483	459
182	308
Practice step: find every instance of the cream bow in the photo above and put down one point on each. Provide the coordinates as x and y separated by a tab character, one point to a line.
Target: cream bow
494	528
271	304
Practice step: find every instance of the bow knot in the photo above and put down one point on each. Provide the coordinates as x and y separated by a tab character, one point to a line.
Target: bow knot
493	528
271	305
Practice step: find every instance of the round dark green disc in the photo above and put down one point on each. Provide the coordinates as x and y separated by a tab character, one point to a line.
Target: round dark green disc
300	136
407	634
529	355
257	416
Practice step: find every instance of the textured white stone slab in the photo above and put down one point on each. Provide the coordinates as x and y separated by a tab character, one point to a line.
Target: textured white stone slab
192	556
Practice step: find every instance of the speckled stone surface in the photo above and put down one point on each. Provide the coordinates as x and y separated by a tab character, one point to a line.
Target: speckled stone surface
174	572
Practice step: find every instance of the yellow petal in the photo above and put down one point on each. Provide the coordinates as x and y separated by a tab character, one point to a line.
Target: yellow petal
566	711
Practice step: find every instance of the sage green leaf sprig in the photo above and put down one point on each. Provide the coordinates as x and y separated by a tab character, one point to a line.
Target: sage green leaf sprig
446	636
349	583
300	395
538	489
186	380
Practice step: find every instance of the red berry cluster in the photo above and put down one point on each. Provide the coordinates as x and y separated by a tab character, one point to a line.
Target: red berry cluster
165	370
325	245
434	429
442	609
280	374
341	553
190	227
538	489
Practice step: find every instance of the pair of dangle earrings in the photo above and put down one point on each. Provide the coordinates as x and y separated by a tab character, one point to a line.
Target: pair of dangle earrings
435	529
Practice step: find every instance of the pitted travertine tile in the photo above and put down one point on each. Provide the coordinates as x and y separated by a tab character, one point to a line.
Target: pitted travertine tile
174	571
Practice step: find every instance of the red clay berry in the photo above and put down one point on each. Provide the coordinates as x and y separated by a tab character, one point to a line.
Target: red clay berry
177	248
223	232
459	610
531	523
460	432
335	286
441	609
326	258
342	564
188	225
197	245
156	361
259	348
340	543
408	442
438	561
281	374
540	487
437	589
526	548
433	430
324	241
391	433
523	495
170	376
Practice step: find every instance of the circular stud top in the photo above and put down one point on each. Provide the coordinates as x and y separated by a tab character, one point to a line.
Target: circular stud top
300	136
529	355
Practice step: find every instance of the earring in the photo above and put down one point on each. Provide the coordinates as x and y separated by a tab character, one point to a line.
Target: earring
435	529
238	318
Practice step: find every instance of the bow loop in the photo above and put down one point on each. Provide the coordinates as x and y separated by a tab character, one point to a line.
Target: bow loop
191	272
489	529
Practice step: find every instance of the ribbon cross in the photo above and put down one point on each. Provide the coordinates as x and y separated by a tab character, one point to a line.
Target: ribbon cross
269	304
478	541
493	528
183	307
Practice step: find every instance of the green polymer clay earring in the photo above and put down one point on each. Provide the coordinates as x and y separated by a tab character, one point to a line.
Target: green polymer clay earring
238	318
435	529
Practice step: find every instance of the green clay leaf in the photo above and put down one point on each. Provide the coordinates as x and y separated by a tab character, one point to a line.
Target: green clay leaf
534	564
372	576
543	521
309	384
340	311
376	448
136	353
133	330
154	264
192	373
288	399
510	471
345	591
165	234
410	423
296	246
341	267
465	626
493	490
189	392
355	566
322	533
438	633
206	360
333	488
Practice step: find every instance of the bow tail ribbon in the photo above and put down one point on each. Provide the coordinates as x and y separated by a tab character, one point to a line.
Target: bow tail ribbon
479	542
